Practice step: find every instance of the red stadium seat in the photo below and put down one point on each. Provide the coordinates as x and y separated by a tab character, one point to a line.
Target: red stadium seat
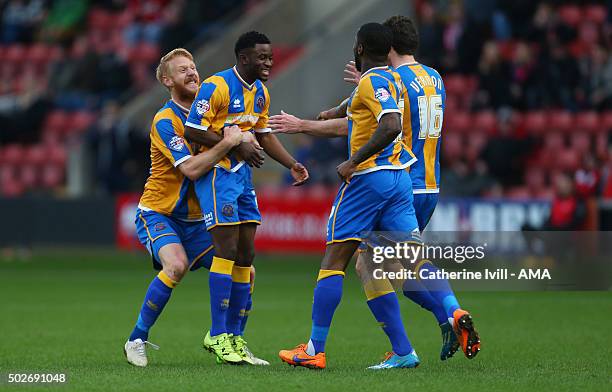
28	175
459	122
12	188
456	84
15	53
100	19
485	121
79	122
52	176
38	53
588	122
507	49
57	121
560	120
535	123
535	179
580	142
595	13
518	193
452	148
144	53
56	154
12	154
606	121
567	160
36	154
554	142
570	14
588	33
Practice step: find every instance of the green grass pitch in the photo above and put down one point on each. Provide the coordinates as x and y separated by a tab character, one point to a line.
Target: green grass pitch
72	311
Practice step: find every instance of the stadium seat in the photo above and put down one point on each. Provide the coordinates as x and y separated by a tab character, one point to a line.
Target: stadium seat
535	123
28	175
580	142
588	33
566	159
100	19
560	121
15	53
570	14
507	49
52	176
452	148
56	121
56	154
485	121
606	121
456	84
587	122
595	13
518	193
554	141
79	122
12	154
35	155
12	188
144	53
459	122
535	178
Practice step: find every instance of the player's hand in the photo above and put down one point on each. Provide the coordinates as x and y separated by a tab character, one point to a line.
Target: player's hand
299	174
249	137
284	123
250	153
233	134
345	170
324	115
351	75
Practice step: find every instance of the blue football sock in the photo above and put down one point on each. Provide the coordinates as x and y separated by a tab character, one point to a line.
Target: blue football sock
220	286
327	295
241	286
414	290
247	310
438	288
386	310
155	299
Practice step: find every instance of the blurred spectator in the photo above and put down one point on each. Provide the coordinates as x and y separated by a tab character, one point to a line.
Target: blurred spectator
494	78
596	71
63	19
562	77
20	20
430	36
568	211
108	142
22	115
148	21
587	178
525	87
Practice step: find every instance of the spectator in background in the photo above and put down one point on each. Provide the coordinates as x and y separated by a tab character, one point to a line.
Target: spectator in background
494	79
596	77
63	19
562	76
148	21
22	115
453	30
430	37
176	33
525	86
504	154
20	20
108	143
567	211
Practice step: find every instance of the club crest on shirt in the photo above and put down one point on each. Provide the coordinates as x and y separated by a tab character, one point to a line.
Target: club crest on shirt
260	102
202	106
228	210
160	226
382	94
177	143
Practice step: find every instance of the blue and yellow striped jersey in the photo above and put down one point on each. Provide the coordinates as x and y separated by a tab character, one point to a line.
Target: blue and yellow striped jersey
226	99
379	91
423	119
167	190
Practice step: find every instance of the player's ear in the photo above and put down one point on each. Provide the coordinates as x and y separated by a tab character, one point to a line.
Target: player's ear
167	82
360	49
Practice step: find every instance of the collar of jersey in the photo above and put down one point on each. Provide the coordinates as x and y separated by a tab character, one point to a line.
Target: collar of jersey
183	109
385	67
401	65
249	86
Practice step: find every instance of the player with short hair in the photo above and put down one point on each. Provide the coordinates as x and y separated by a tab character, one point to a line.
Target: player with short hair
423	119
169	220
372	196
235	97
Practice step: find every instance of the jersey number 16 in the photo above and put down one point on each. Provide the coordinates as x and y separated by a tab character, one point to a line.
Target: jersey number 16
431	116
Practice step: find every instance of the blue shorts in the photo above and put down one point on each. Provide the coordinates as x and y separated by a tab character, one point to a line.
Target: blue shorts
424	206
156	230
380	200
228	198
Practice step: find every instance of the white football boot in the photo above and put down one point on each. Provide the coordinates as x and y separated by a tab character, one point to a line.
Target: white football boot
136	353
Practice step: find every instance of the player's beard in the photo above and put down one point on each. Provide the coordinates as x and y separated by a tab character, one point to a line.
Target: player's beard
357	60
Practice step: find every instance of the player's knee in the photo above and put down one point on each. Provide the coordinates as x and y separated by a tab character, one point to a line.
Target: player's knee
360	268
176	268
228	250
246	257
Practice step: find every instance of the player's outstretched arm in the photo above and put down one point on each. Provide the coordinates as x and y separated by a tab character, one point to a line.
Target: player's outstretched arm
273	147
389	127
335	112
198	165
288	123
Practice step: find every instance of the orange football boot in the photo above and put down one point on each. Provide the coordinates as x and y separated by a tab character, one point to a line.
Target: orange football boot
466	333
299	357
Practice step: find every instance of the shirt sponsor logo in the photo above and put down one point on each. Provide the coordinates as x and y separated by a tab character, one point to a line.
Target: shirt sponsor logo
208	218
202	106
236	103
382	95
177	143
